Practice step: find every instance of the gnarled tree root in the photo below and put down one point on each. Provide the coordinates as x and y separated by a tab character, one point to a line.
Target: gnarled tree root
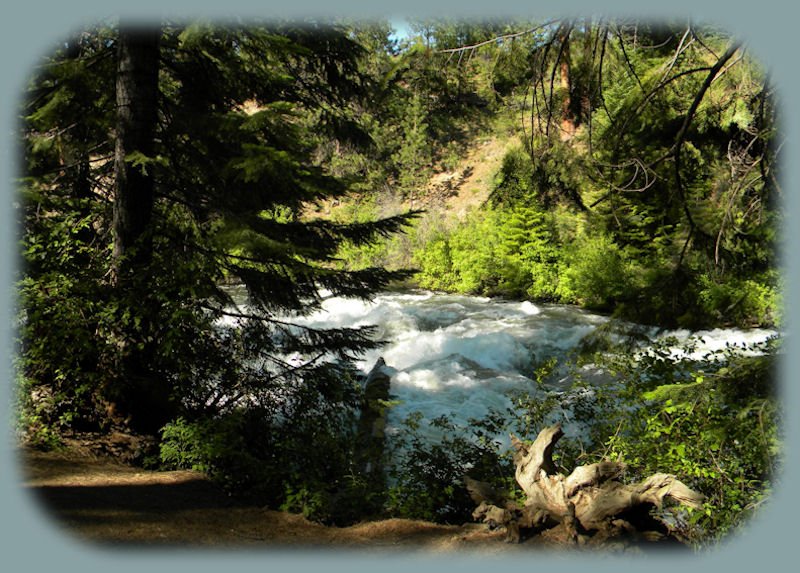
587	507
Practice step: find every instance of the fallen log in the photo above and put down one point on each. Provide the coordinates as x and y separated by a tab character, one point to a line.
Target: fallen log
588	506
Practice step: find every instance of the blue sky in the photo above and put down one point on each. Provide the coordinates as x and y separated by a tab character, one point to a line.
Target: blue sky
402	29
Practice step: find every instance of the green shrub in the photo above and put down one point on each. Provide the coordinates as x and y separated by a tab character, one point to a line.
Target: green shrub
512	252
743	301
474	251
298	459
217	447
530	252
427	476
714	422
596	273
436	265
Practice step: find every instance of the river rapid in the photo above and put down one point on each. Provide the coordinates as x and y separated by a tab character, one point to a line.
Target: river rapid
460	355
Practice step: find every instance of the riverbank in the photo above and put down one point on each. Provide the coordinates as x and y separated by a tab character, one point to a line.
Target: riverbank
99	501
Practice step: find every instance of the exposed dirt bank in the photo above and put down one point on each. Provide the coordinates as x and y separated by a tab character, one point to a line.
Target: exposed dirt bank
470	184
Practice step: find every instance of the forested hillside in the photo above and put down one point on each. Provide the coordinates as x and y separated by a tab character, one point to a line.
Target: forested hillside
621	166
643	181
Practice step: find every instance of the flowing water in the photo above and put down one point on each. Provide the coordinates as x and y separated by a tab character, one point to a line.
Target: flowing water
460	355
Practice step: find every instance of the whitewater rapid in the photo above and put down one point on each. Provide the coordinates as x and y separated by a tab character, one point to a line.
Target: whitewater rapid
460	355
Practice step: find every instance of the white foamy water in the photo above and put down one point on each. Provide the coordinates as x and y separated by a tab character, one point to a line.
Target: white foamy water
453	354
717	339
460	355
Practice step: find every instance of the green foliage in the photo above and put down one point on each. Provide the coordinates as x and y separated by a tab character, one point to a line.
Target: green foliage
60	309
34	419
427	476
423	109
520	248
217	448
529	251
436	264
275	457
532	411
595	216
740	300
461	259
413	156
229	186
597	273
494	251
258	121
713	421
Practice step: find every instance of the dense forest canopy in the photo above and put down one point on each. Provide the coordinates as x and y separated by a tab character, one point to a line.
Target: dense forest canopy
656	145
163	163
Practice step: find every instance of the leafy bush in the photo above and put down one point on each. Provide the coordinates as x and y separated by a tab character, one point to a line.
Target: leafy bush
427	477
743	301
511	252
34	419
713	421
216	447
436	265
298	460
596	273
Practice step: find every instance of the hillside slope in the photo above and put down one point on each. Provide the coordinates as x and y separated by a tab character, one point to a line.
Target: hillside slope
468	186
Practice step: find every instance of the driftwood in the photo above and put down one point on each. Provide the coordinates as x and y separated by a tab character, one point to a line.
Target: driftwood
588	506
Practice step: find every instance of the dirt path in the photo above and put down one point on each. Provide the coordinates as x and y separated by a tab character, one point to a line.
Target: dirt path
99	500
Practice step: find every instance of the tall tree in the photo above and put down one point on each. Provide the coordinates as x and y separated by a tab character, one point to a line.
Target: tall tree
138	392
137	112
213	160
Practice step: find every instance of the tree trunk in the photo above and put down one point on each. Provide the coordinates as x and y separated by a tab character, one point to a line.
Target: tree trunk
567	122
138	395
137	104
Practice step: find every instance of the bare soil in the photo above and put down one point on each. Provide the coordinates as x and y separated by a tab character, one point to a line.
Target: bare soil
470	185
456	192
99	500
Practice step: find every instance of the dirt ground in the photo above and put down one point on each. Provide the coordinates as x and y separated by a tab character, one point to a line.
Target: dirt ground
99	500
471	183
455	192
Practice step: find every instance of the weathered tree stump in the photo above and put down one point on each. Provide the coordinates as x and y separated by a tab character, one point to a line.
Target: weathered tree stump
587	507
370	438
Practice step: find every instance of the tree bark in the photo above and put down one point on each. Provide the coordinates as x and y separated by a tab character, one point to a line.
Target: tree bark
567	121
137	104
138	395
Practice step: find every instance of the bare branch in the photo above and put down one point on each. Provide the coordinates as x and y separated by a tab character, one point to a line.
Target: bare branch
497	39
678	51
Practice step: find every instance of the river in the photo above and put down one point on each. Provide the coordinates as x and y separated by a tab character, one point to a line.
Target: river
460	355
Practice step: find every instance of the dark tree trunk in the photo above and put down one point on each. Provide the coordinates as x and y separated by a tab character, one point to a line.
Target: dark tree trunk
138	393
137	101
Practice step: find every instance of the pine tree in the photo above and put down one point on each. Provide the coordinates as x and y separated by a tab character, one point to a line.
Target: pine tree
227	144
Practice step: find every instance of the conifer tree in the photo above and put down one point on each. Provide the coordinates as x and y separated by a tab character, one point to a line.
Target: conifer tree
226	142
